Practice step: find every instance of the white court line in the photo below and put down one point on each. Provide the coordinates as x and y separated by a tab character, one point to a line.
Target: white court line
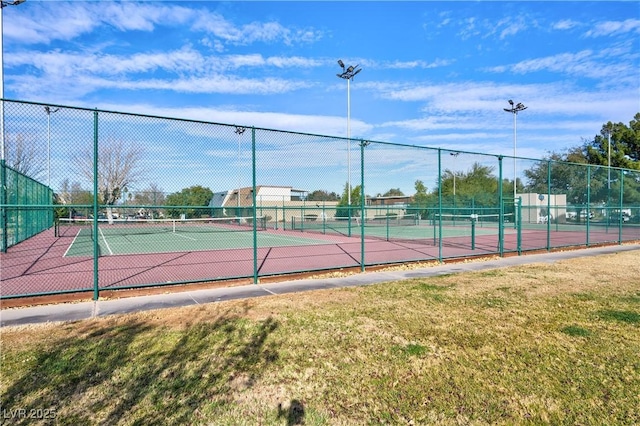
72	242
184	236
105	242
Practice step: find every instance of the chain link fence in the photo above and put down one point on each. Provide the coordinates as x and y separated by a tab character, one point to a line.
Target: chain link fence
97	200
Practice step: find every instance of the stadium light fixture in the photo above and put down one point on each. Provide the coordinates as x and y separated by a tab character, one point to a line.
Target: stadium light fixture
348	75
3	4
515	110
49	111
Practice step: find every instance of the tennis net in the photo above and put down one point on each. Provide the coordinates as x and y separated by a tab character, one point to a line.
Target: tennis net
74	227
310	222
467	220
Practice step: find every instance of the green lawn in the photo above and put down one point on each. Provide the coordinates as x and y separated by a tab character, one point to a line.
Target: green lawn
538	344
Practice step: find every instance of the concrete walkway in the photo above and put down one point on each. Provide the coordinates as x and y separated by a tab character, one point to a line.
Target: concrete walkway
100	308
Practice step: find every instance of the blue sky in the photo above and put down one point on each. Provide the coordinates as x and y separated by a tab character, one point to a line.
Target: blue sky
433	73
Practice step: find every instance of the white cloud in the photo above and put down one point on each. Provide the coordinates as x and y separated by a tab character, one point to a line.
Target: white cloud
565	24
614	28
614	63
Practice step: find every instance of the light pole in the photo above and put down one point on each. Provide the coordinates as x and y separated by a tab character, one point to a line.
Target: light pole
515	110
348	75
455	155
49	111
239	131
3	4
609	157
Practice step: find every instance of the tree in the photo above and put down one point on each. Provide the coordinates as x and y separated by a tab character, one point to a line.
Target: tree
118	167
393	192
73	196
152	197
476	188
422	200
342	208
23	156
194	196
322	195
625	145
568	176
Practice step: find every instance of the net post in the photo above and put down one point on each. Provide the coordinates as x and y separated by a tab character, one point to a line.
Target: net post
474	217
387	220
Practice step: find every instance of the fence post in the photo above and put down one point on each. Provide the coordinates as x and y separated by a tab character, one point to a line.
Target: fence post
363	144
588	216
255	228
501	211
519	229
621	215
96	247
3	202
548	205
439	205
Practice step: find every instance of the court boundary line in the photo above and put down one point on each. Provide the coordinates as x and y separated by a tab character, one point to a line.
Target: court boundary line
105	242
72	243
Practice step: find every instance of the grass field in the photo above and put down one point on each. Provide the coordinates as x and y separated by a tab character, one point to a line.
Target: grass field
536	344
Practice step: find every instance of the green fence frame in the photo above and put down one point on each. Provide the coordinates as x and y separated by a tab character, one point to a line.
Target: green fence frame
25	201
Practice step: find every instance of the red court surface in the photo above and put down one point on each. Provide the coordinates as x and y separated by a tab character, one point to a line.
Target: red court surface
38	266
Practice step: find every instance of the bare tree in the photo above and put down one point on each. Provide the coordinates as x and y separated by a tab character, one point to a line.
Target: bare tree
23	156
118	166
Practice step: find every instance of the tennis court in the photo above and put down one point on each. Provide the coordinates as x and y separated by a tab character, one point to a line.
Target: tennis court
142	236
407	227
267	202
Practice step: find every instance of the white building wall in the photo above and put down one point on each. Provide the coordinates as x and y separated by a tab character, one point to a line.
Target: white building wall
273	193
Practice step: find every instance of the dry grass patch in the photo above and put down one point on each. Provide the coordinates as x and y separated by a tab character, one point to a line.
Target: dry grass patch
537	344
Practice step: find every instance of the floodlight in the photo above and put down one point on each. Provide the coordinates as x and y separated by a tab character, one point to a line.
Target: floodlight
515	110
348	75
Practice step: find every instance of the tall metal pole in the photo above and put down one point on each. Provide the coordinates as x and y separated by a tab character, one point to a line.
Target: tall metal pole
515	150
2	144
348	74
49	111
239	131
3	4
515	109
348	143
609	158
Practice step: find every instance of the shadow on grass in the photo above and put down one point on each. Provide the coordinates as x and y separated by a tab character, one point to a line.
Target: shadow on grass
294	415
145	374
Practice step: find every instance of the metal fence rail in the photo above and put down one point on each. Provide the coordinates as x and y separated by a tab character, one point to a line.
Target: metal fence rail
96	200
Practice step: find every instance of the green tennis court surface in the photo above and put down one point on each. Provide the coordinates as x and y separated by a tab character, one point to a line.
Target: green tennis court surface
168	236
408	227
